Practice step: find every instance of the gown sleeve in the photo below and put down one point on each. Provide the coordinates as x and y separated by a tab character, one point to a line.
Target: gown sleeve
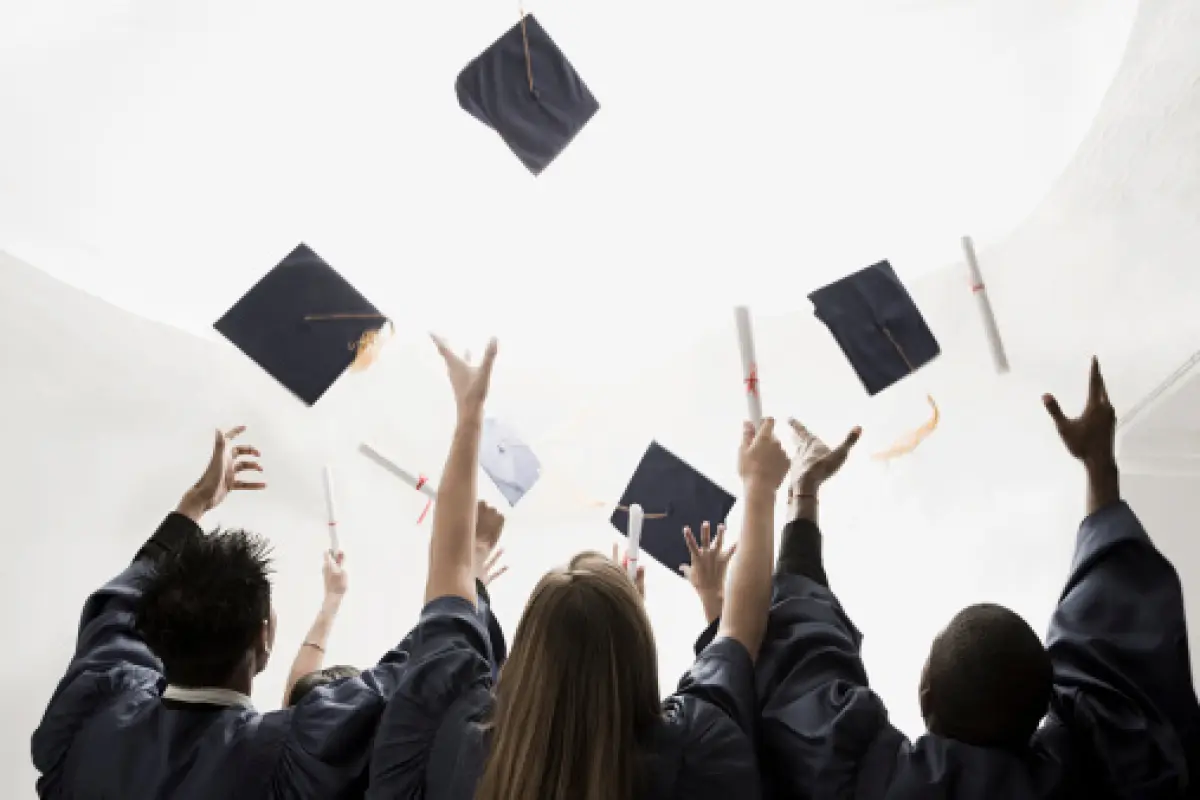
1118	642
450	659
335	727
717	704
110	657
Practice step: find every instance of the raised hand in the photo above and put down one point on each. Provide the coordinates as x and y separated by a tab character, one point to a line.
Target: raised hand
1090	437
337	580
761	458
489	526
814	462
706	573
220	477
470	383
622	560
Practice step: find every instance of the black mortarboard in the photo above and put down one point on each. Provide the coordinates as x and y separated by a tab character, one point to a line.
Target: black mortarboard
303	324
674	496
524	89
877	326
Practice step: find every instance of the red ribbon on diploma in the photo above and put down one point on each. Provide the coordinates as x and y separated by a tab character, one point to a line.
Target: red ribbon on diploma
421	481
752	381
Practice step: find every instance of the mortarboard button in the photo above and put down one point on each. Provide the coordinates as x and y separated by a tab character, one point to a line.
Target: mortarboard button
304	324
877	325
526	90
674	495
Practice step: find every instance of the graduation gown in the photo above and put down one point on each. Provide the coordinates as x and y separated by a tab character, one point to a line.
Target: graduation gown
430	744
108	732
1124	721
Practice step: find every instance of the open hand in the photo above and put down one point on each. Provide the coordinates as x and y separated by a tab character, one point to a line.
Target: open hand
622	561
1091	436
470	383
489	525
814	462
221	475
706	573
337	581
761	457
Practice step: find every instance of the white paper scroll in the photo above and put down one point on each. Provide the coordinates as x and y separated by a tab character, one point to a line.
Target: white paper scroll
331	511
749	364
636	517
420	483
985	307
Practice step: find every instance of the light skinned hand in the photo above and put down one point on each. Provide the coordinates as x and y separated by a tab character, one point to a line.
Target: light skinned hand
710	561
814	463
337	580
621	559
469	382
1090	437
761	458
489	526
224	466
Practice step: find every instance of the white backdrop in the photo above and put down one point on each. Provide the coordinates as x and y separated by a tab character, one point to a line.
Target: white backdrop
108	415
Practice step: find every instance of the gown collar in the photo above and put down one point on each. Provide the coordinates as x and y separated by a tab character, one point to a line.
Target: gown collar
208	696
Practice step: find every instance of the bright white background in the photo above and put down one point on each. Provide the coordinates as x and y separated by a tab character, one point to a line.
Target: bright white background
163	158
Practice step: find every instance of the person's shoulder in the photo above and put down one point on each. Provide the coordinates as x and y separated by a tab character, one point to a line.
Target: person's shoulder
708	751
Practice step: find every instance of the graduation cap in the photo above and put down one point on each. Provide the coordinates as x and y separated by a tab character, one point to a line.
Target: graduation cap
674	495
507	460
882	333
305	325
524	89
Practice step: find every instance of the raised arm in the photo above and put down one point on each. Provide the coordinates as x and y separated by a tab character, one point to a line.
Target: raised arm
763	465
452	547
1118	640
311	655
110	656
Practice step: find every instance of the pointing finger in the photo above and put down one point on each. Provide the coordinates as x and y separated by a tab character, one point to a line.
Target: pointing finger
690	540
247	485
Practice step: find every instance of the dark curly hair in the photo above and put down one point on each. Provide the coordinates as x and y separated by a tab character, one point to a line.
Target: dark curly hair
203	605
988	681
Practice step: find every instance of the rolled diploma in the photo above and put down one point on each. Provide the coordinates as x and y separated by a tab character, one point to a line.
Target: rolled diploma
420	484
749	363
985	307
636	517
331	511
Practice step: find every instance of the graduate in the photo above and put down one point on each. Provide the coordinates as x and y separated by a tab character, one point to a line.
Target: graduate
308	669
1105	709
576	712
156	700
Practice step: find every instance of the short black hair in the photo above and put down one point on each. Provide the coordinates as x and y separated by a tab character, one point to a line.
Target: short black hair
988	680
203	604
320	677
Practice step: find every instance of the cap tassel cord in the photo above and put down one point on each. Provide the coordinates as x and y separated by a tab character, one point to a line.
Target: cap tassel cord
525	39
910	441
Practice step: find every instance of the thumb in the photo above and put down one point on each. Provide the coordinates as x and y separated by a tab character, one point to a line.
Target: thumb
340	558
686	570
1054	410
747	433
766	431
851	439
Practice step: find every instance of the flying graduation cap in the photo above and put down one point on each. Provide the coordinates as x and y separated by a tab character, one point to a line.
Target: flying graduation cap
882	334
524	89
508	460
305	325
674	495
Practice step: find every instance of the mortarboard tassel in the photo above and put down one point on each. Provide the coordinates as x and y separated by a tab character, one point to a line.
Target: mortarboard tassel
910	441
368	346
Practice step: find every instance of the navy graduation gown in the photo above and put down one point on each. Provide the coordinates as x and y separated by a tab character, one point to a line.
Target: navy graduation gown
1124	721
107	733
430	744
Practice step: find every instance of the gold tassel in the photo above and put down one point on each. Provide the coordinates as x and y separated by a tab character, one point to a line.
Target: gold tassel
367	348
910	441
